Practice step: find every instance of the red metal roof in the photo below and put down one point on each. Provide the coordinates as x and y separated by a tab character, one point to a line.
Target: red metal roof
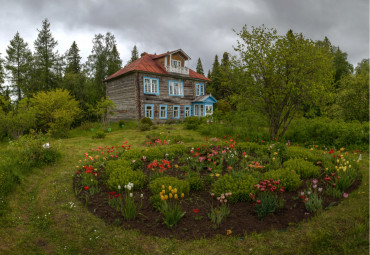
147	64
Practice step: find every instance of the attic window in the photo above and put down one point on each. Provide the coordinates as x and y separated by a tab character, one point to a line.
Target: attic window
151	86
175	63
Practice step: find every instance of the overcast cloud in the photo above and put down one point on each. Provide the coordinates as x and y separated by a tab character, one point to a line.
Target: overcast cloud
201	28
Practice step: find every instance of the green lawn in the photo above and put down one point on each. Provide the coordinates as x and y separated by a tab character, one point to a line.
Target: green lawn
46	218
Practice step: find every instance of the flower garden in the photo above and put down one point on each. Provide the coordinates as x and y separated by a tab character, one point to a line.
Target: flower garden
219	186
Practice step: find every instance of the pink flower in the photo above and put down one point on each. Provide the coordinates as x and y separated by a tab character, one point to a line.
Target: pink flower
302	193
133	162
315	181
213	194
345	195
319	189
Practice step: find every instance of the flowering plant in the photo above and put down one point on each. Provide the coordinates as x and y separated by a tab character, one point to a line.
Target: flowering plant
158	168
169	208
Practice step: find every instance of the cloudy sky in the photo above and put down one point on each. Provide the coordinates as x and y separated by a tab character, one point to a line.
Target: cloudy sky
202	28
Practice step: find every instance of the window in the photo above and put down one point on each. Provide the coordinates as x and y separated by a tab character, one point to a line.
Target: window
149	111
151	86
209	110
175	63
187	111
201	110
176	111
196	110
175	88
199	89
163	111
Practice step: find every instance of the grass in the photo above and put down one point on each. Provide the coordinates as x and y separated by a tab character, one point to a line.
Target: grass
69	228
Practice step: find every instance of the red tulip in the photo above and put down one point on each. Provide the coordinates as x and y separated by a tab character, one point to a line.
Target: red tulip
86	188
196	210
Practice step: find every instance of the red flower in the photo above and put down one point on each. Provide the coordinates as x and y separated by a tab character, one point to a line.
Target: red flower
196	210
331	151
112	193
230	167
338	177
86	188
258	201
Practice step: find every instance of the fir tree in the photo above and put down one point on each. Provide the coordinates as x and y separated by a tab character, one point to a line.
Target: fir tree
134	55
73	59
2	72
18	64
200	67
45	59
114	61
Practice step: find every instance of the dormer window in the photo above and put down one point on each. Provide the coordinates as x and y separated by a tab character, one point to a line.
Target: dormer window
175	63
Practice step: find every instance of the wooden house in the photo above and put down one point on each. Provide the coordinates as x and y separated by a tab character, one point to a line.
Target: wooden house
160	87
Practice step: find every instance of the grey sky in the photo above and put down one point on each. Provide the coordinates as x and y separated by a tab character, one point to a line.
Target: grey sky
201	28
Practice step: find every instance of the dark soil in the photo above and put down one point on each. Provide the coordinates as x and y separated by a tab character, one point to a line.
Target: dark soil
242	219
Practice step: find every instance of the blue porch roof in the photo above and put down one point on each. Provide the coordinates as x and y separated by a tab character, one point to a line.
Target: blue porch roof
205	99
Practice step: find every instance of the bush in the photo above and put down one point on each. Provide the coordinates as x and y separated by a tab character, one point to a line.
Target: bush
120	173
192	123
303	168
303	153
240	187
99	135
121	123
144	126
251	148
196	183
289	179
146	121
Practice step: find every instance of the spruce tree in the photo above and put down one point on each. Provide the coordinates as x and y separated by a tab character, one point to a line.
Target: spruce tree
2	72
18	64
73	58
200	67
45	59
114	61
134	55
213	86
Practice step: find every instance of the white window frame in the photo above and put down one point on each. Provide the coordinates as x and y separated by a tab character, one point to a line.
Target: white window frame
176	88
201	110
178	112
211	110
162	106
199	89
175	63
149	111
187	111
196	110
151	85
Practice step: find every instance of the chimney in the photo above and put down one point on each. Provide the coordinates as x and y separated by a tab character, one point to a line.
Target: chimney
143	54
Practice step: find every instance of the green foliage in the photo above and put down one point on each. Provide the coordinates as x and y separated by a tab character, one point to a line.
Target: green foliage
267	205
199	68
302	153
240	186
121	123
55	111
295	71
34	150
314	202
303	168
99	135
171	212
217	214
120	173
153	153
196	183
146	121
192	123
347	178
182	186
143	127
102	110
289	178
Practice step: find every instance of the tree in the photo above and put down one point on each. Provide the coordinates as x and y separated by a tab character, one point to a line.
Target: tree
55	111
199	68
114	61
103	110
213	86
104	55
283	72
134	55
354	96
45	59
2	72
18	64
73	59
341	65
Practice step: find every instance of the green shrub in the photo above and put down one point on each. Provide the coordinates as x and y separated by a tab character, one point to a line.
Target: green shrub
251	148
99	135
121	123
192	123
175	150
196	183
303	168
120	173
144	126
133	154
347	178
303	153
146	121
289	179
153	153
240	187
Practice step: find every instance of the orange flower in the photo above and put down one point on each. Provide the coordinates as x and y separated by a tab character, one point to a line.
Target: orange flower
228	232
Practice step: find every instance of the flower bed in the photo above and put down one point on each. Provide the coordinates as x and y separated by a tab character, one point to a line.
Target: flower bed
217	187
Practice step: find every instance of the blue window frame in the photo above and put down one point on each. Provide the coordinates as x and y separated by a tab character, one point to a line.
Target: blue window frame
151	85
196	110
187	111
149	111
162	111
176	88
176	112
199	89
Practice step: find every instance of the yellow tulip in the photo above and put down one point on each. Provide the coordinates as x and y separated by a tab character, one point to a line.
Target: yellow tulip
182	195
217	175
163	191
169	187
170	196
162	198
175	190
165	197
175	196
162	186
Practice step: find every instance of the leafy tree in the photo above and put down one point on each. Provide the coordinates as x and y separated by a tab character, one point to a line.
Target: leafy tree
199	68
73	59
55	111
134	55
103	110
2	72
283	72
354	96
114	61
18	64
45	59
341	65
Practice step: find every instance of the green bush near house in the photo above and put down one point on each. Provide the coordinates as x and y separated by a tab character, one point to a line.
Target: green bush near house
289	178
